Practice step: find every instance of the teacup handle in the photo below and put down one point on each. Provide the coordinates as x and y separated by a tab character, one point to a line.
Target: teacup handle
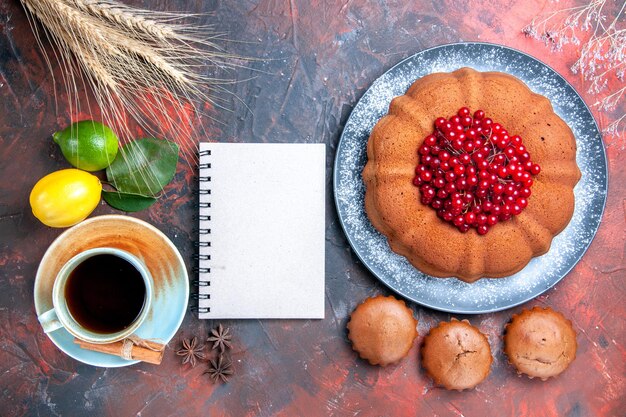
50	321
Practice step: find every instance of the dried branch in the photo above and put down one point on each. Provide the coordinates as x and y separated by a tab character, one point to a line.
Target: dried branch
602	52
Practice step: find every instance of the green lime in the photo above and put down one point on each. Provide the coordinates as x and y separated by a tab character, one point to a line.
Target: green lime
88	145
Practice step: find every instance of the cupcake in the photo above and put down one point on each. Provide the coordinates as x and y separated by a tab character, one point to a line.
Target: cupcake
540	343
382	330
456	355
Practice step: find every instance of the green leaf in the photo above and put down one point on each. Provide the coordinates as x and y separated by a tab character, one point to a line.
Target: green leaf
144	166
127	202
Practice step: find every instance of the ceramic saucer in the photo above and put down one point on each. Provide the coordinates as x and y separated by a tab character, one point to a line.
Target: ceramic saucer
158	253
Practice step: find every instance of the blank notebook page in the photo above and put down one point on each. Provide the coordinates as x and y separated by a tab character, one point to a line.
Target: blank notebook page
262	230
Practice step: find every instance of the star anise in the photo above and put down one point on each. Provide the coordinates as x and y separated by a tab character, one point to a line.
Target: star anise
221	338
190	351
220	369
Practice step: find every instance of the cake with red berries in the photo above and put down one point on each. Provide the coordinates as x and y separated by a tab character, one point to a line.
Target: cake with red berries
470	174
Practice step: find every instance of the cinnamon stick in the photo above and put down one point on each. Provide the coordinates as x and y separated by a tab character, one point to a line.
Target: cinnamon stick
153	354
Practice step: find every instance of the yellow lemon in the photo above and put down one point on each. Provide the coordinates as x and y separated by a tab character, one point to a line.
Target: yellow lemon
66	197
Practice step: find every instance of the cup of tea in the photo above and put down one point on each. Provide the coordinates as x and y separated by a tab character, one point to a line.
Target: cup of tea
101	295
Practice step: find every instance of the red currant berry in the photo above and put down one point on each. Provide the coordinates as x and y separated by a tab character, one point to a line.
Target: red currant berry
457	202
481	192
430	140
427	190
509	189
459	221
465	159
478	156
535	169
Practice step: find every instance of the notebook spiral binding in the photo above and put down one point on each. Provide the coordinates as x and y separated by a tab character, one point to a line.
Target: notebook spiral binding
203	244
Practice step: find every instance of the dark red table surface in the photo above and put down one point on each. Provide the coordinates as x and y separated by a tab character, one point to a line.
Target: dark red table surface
316	60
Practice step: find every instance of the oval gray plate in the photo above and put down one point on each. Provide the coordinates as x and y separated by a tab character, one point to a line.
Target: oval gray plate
451	294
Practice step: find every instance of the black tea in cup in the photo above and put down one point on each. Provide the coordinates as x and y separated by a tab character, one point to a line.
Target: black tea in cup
105	293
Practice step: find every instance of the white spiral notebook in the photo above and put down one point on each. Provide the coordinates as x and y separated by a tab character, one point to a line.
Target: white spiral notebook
261	238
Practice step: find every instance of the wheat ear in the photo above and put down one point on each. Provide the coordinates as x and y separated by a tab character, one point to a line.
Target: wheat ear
142	66
122	16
